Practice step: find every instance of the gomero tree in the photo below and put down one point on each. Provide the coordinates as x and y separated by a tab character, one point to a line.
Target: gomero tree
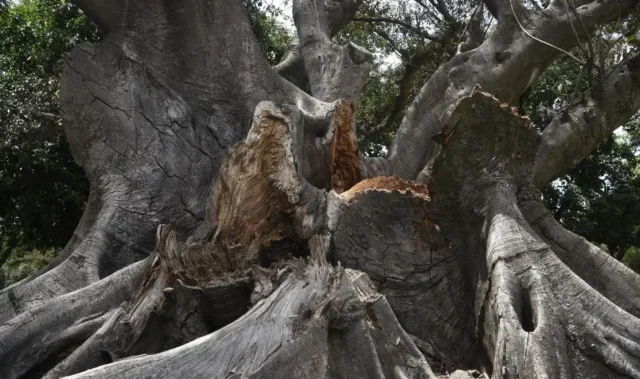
233	230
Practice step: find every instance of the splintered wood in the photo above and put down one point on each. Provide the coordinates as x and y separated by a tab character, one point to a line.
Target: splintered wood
345	163
387	183
257	189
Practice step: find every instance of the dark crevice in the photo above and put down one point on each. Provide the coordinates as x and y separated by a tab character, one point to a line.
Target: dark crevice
106	357
284	249
526	312
223	305
52	360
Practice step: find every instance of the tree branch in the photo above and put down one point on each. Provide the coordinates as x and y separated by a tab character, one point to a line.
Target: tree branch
506	9
442	8
536	5
577	131
333	71
405	25
516	61
429	11
404	53
473	35
105	13
340	13
559	5
415	60
413	65
335	15
494	7
596	12
292	66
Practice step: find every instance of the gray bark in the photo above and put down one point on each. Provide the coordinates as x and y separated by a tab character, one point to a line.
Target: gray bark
68	319
317	324
575	133
333	71
335	15
260	250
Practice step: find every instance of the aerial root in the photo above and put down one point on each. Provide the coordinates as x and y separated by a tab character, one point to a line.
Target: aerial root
96	256
33	336
542	319
600	270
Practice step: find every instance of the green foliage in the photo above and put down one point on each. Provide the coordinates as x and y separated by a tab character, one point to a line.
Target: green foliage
600	198
42	190
377	99
23	262
395	47
632	258
272	37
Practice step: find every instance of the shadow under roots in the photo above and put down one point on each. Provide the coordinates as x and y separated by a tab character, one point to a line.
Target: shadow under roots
191	310
285	249
194	306
39	371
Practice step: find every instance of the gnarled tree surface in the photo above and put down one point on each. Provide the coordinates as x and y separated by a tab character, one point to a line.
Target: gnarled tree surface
233	230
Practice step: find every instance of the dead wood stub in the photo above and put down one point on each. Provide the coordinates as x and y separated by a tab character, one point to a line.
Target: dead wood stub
487	143
252	208
386	228
256	191
345	163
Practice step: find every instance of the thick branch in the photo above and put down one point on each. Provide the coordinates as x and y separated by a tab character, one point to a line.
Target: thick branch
473	33
492	6
503	10
515	59
577	131
333	71
105	13
431	53
292	66
405	25
412	68
440	6
499	9
339	13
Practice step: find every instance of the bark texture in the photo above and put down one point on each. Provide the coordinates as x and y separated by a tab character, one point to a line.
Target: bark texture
233	230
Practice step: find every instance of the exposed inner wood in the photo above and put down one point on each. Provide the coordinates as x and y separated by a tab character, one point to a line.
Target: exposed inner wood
256	191
345	163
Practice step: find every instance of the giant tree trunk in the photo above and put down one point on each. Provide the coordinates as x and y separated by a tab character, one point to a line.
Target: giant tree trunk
233	231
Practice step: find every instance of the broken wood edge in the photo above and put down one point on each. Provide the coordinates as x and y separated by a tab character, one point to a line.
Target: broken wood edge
387	184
